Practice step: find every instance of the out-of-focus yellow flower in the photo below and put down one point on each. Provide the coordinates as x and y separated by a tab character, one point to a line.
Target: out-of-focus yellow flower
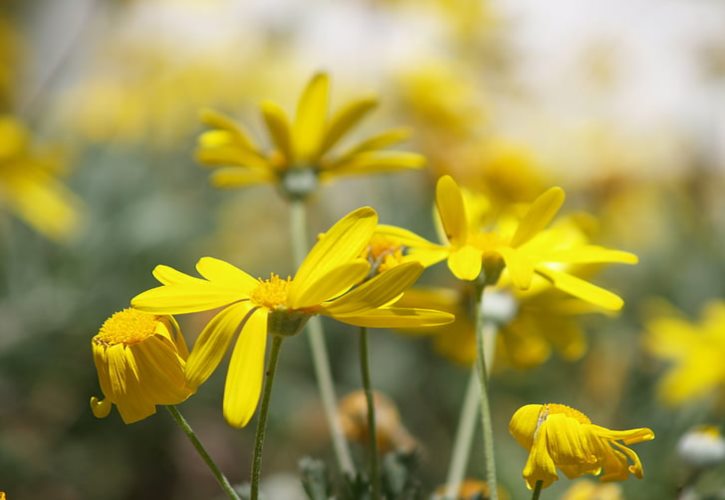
278	306
302	150
696	351
391	433
544	320
589	490
558	436
140	360
523	247
29	187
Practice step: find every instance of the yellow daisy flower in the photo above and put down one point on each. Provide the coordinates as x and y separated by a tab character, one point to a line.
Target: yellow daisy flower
696	351
255	307
301	150
28	184
559	436
523	247
140	360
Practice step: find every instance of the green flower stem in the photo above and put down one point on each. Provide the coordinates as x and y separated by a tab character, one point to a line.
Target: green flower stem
537	490
467	422
481	361
372	432
464	438
320	359
186	428
263	412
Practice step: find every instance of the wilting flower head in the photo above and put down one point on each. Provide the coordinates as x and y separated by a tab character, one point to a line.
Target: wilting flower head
524	248
558	436
253	307
302	149
140	361
391	433
28	184
696	350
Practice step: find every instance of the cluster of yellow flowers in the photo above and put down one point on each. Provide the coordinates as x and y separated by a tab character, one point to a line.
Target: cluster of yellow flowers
360	273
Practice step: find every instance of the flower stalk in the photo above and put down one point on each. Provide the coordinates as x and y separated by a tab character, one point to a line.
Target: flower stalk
486	424
263	413
372	432
537	490
218	474
320	358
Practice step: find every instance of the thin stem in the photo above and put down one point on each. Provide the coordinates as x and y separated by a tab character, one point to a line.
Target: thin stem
372	432
186	428
537	490
485	404
464	437
263	412
320	359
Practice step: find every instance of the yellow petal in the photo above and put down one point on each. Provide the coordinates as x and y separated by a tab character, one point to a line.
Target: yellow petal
345	119
215	119
451	210
465	262
539	466
309	125
376	162
237	177
100	408
229	154
225	274
185	298
519	267
581	289
376	292
591	254
342	244
246	371
379	141
213	341
169	276
397	317
540	213
279	128
332	284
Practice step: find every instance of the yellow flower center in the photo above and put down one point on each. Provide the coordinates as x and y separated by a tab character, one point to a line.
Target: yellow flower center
383	253
552	408
271	293
127	327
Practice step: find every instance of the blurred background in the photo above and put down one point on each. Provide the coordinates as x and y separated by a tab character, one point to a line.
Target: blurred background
622	103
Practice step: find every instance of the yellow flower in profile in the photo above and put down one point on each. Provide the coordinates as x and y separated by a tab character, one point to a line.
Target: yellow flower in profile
140	361
524	247
29	187
254	307
558	436
695	350
302	151
589	490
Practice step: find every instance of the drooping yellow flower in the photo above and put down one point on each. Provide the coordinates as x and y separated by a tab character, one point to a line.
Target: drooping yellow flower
558	436
252	308
696	351
140	360
302	151
523	247
29	187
